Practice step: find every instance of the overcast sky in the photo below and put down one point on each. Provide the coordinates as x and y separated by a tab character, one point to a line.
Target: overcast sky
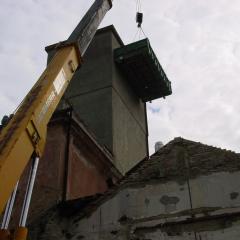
197	43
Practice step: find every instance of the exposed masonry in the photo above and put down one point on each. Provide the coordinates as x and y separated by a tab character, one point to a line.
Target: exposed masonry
186	190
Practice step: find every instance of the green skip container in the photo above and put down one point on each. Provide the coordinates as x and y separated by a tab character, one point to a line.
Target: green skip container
143	70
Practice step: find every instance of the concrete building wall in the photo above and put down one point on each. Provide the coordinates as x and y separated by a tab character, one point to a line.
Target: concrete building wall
128	136
130	131
90	91
206	208
166	211
186	190
103	99
95	109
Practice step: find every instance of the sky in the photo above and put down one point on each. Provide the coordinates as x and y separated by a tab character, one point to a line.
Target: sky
197	43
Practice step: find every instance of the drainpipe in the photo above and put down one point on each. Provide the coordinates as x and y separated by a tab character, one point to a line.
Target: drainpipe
66	165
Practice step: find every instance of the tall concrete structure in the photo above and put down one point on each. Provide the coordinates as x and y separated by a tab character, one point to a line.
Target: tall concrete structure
103	99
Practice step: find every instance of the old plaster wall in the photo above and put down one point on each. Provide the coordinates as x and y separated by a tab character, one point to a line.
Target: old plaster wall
185	191
190	210
170	210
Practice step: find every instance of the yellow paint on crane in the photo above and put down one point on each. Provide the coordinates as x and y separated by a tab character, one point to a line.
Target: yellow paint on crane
25	134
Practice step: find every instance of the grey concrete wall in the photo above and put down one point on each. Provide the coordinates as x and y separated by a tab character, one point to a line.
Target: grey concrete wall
129	137
130	133
95	110
102	98
166	211
90	91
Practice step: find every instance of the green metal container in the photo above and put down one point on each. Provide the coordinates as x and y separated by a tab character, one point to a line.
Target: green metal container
143	70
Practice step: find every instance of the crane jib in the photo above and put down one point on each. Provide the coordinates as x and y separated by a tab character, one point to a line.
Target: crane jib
84	32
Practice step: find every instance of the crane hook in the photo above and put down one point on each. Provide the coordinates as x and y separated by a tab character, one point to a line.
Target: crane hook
139	19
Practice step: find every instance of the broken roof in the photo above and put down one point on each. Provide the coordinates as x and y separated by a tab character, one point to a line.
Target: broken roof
183	159
178	160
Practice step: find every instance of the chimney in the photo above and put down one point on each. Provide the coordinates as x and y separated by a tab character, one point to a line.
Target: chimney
158	145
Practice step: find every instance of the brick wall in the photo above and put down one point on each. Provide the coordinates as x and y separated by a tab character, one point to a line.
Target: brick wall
73	166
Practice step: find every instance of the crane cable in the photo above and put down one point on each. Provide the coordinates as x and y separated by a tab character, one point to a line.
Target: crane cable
138	5
139	20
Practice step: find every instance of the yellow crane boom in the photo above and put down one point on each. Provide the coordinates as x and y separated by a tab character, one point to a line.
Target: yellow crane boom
25	134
